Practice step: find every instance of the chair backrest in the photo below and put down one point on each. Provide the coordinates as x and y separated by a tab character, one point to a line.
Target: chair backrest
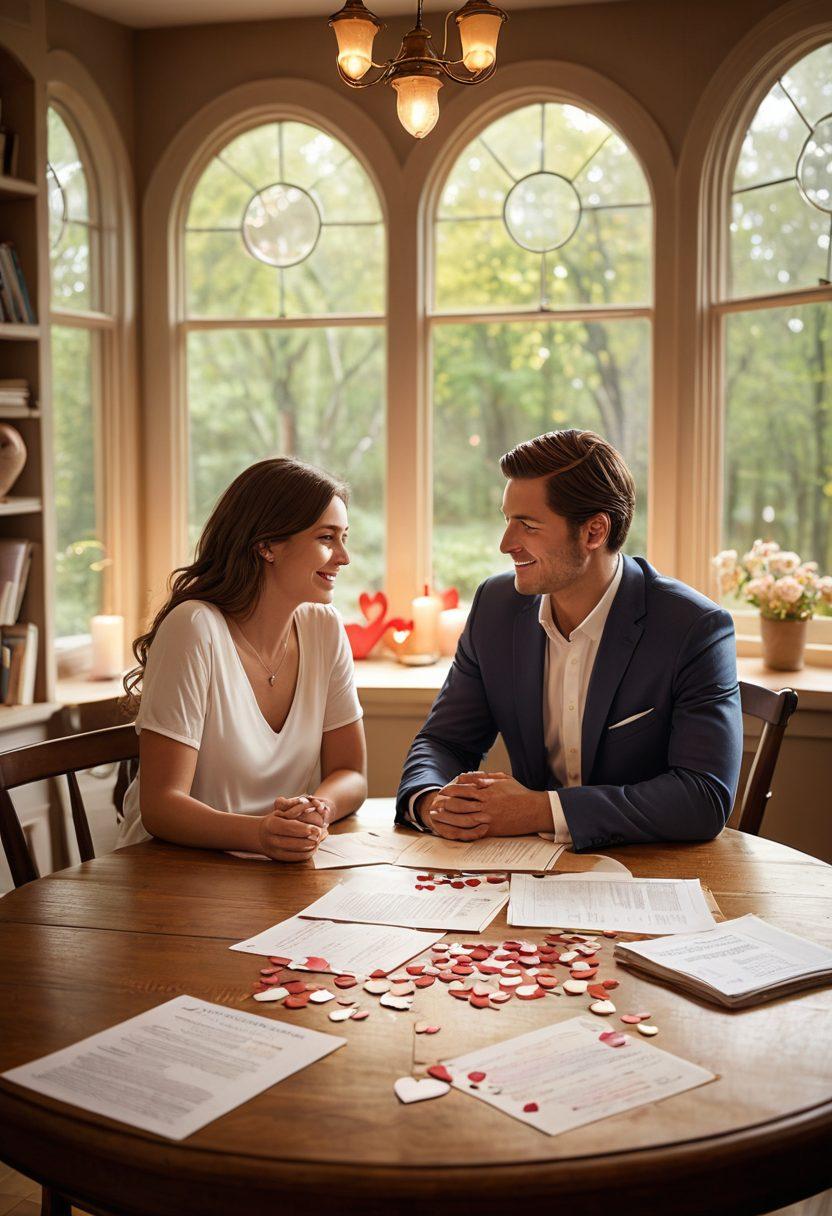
774	710
55	758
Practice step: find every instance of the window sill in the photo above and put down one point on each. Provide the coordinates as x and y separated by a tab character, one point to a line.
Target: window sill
383	684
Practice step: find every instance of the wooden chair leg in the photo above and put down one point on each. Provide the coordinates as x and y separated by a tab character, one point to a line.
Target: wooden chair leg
52	1203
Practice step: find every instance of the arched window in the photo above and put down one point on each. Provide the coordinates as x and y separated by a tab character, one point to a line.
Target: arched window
777	311
541	315
79	324
284	260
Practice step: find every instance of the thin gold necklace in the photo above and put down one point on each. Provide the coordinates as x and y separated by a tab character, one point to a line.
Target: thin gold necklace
271	674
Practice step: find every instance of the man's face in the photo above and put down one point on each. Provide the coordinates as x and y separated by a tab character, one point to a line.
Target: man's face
548	556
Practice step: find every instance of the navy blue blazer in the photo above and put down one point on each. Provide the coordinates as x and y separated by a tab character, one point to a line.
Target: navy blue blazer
670	775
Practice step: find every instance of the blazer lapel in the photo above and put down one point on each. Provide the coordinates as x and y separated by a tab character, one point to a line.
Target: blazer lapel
618	641
529	653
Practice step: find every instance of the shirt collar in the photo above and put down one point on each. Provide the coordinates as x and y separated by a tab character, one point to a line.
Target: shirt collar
592	626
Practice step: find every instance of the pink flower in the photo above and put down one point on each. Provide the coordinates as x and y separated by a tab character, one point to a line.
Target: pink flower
788	590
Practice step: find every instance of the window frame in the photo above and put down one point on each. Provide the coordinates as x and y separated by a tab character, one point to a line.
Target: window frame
718	131
78	101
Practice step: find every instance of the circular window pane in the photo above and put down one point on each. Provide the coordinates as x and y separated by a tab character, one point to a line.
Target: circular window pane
814	168
281	225
542	212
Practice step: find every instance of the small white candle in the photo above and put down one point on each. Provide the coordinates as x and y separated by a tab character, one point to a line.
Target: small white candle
451	624
107	647
425	611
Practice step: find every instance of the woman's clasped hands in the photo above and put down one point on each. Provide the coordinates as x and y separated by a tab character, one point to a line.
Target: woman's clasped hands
294	828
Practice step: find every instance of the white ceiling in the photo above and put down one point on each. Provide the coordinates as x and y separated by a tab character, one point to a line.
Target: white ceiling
148	14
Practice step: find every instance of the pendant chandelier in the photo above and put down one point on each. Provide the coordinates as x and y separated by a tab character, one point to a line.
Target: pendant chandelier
417	72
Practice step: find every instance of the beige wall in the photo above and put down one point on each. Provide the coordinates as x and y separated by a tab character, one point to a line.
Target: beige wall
639	45
105	49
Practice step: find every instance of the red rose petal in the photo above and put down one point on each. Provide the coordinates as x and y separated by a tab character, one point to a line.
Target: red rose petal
297	1002
279	961
316	964
378	975
472	882
479	1002
345	981
424	981
457	884
598	991
296	986
440	1073
530	1108
609	984
476	1077
415	969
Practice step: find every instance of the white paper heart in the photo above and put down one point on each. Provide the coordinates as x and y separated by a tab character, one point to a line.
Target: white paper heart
408	1089
271	994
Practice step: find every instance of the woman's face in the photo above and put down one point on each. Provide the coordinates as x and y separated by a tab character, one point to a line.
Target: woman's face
307	564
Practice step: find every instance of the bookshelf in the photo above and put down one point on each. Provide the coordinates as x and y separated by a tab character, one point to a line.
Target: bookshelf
24	354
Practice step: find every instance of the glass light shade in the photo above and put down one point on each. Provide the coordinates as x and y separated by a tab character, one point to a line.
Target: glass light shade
417	103
478	33
355	45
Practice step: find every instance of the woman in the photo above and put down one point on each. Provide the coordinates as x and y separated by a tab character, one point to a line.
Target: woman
251	733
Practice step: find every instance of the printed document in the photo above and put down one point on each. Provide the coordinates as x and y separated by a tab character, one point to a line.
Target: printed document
355	949
501	853
177	1067
606	901
569	1077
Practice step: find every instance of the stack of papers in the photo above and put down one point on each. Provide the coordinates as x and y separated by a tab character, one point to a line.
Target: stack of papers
390	897
342	849
351	949
738	963
607	901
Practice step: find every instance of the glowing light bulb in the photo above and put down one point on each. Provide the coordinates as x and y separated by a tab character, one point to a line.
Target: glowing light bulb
417	103
355	45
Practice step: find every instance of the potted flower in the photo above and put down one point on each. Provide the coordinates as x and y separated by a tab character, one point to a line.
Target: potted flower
787	591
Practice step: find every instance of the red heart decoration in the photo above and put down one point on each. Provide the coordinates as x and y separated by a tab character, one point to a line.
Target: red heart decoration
368	602
440	1073
449	598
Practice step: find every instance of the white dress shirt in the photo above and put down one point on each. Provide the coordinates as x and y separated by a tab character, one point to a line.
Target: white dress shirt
567	669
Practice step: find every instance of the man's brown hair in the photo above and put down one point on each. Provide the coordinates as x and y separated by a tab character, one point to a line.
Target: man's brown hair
585	475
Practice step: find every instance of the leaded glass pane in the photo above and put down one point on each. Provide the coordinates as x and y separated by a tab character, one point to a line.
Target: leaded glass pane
288	221
781	206
546	208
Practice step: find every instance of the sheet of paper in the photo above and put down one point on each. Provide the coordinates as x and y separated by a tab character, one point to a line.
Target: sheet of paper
492	853
738	956
342	849
606	901
177	1067
357	949
571	1076
389	897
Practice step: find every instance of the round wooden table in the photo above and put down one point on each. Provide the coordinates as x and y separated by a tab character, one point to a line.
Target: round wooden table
90	946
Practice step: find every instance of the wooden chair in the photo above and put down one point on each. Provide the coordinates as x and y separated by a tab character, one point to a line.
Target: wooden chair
774	710
55	758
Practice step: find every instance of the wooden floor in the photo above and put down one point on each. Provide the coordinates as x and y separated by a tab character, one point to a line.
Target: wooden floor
20	1196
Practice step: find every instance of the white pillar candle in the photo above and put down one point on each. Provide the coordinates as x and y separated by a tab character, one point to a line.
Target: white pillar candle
451	624
425	611
107	647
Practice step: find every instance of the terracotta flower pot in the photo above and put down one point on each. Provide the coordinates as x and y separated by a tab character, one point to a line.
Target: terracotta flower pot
783	643
12	457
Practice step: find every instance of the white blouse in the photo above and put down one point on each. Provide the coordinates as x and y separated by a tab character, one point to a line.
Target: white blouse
195	690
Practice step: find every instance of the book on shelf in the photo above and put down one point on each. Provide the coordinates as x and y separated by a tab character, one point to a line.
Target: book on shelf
9	145
16	397
22	642
14	294
738	963
15	563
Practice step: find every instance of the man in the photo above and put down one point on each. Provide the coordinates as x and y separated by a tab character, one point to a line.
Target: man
613	687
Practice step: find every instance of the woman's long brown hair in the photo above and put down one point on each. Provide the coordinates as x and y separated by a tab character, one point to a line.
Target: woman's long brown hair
269	502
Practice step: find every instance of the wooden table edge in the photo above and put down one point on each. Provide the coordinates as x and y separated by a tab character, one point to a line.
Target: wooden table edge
760	1167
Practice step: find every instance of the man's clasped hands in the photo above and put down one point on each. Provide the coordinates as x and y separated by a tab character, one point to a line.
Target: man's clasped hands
484	804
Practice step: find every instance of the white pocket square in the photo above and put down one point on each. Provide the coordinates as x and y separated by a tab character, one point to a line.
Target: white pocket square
632	718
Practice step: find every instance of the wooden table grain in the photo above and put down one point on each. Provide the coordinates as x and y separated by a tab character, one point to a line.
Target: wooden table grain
90	946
